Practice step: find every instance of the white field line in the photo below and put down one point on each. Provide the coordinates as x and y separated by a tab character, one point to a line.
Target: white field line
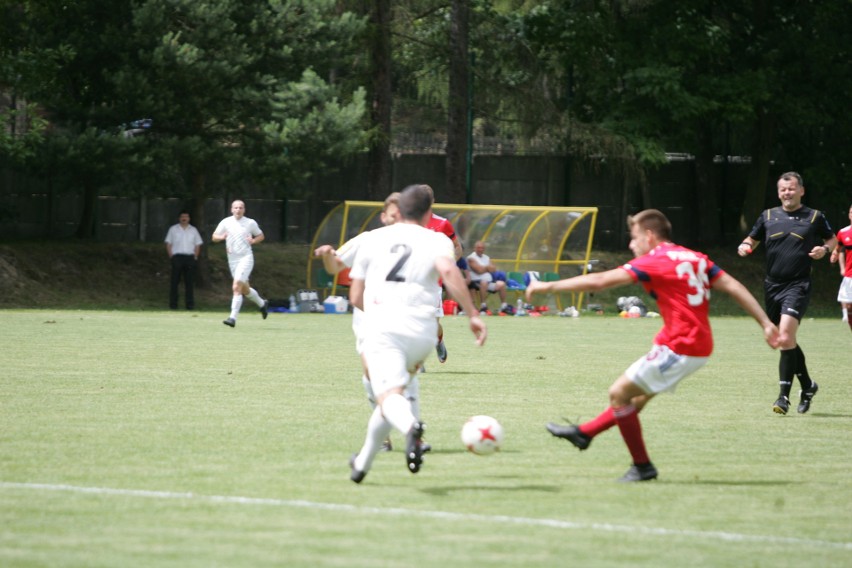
440	515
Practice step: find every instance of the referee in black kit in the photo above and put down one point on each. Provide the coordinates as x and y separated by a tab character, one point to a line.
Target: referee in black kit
794	235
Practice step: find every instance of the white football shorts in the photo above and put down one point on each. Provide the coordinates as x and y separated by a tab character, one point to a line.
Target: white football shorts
845	293
661	369
393	355
241	267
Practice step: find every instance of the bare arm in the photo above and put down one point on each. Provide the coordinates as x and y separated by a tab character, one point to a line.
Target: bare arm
457	248
839	256
587	282
451	275
356	293
731	286
747	246
476	267
256	240
820	251
330	262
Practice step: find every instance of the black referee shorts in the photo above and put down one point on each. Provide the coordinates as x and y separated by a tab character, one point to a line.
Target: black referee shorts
790	298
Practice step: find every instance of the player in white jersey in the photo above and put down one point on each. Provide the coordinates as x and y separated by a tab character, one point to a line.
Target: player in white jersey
335	261
240	233
393	279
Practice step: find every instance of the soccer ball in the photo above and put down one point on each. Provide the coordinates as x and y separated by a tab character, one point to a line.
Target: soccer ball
482	435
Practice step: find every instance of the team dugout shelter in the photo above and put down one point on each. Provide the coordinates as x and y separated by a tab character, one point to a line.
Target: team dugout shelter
554	242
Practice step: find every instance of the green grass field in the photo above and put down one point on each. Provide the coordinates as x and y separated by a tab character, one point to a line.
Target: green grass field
168	439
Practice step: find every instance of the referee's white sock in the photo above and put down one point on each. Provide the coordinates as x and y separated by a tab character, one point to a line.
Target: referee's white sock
255	297
236	304
377	431
397	410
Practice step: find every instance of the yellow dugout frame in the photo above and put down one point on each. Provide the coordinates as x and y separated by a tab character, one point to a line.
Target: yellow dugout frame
555	240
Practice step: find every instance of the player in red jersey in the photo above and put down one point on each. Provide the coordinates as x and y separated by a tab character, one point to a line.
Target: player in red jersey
442	225
680	280
842	254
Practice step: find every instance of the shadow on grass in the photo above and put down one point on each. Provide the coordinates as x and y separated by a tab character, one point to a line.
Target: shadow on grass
732	482
445	491
827	415
464	451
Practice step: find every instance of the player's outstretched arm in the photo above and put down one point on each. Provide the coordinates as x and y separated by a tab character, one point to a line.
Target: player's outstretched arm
330	261
585	283
455	284
733	287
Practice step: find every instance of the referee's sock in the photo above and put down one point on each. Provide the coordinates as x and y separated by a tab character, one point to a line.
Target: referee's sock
787	367
802	370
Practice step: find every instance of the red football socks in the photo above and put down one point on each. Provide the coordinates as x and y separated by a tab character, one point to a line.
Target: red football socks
604	421
627	418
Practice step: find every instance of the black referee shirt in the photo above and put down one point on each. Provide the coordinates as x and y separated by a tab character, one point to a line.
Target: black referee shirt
789	236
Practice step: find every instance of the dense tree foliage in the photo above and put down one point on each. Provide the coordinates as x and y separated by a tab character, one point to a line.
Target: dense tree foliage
237	90
247	91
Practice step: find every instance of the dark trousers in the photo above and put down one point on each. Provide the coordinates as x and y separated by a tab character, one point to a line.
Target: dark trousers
183	266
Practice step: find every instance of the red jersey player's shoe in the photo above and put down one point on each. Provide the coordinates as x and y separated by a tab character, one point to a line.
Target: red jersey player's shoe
806	396
571	433
782	405
644	472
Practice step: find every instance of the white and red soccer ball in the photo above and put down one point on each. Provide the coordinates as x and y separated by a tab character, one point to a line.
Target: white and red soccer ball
482	435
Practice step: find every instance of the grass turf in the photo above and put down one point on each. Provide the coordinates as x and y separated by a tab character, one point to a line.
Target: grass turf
168	439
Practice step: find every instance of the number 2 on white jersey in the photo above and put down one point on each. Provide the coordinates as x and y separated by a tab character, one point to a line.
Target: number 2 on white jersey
700	282
393	275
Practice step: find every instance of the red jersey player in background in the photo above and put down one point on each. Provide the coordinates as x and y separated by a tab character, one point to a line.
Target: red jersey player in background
843	253
680	280
441	225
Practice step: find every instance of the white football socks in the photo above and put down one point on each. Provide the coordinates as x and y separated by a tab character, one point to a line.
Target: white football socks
412	393
377	431
236	304
255	297
397	410
368	388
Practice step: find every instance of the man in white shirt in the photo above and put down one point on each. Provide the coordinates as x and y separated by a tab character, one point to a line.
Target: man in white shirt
240	233
183	245
334	262
481	269
393	279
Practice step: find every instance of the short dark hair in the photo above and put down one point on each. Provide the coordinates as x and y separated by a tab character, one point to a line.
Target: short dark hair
652	220
183	212
415	201
787	176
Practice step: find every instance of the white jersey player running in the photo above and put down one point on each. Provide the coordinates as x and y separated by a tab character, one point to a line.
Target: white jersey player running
240	233
393	280
335	261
